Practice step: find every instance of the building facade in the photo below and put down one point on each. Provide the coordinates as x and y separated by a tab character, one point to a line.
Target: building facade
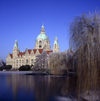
17	58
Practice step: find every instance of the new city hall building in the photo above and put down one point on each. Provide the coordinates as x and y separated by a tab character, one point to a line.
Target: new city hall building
17	58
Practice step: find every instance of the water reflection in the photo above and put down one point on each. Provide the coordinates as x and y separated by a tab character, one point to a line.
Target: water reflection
19	87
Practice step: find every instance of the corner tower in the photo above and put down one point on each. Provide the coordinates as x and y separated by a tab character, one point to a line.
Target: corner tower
42	41
15	49
56	46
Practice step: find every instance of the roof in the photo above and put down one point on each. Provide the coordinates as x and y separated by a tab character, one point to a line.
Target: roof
42	36
55	42
48	52
15	45
29	51
71	51
21	53
34	50
11	55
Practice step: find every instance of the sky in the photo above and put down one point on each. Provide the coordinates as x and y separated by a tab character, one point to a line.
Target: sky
22	20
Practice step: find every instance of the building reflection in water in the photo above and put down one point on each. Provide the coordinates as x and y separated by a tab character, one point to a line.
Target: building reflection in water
38	88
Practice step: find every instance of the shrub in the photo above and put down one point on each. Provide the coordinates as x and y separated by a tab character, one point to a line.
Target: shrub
7	67
1	68
24	68
47	70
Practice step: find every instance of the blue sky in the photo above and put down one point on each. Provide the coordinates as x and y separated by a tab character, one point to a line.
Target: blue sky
22	20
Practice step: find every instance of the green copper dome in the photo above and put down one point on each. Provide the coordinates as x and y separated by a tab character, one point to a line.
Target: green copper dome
42	36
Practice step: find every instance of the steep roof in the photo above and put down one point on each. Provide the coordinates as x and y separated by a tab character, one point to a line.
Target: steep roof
29	51
56	41
11	55
48	52
21	53
34	50
16	44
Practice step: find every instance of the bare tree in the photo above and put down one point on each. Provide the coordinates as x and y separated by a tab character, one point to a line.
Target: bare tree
1	62
41	61
85	42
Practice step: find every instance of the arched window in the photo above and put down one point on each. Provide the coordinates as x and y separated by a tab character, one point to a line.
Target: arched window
19	61
40	42
55	45
40	46
32	61
26	60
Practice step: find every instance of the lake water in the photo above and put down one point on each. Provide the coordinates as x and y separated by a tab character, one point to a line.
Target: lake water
15	86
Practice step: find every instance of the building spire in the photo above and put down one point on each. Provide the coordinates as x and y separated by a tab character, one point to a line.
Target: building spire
16	44
42	25
56	41
26	49
56	46
15	49
42	29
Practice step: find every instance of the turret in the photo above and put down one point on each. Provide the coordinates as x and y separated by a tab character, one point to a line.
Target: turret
56	46
15	49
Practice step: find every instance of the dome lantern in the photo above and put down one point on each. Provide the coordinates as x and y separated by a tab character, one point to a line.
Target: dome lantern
42	34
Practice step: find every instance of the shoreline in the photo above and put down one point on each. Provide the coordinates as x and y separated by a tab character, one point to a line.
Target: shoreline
36	73
16	72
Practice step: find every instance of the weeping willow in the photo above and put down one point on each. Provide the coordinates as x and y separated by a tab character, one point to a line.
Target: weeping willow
59	62
85	42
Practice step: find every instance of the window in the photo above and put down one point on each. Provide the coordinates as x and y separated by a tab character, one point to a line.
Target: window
22	61
26	60
55	45
31	60
19	61
40	42
40	46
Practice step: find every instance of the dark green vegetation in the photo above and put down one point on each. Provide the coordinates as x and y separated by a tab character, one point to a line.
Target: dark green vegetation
1	68
25	68
8	67
38	73
5	67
